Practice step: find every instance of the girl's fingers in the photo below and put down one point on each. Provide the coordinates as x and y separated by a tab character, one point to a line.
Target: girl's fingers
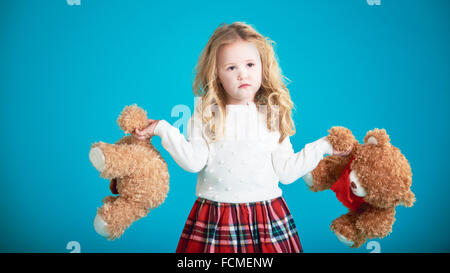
138	135
145	133
141	138
342	153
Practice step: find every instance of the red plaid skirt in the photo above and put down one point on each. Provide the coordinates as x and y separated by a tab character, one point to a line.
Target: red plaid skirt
264	227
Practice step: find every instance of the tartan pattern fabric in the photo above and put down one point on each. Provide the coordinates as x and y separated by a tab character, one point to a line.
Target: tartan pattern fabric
259	227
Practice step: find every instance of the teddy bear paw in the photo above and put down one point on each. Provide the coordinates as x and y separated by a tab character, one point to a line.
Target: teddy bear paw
344	240
100	226
308	178
97	158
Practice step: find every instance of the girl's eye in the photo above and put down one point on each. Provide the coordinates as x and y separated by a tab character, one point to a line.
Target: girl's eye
230	68
251	64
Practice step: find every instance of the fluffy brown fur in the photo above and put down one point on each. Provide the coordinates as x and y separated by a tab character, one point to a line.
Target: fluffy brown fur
136	170
382	171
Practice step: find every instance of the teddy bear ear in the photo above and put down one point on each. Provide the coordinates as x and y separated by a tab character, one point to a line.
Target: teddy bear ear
377	137
408	199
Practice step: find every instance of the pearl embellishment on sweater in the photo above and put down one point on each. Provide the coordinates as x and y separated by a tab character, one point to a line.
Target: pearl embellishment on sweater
246	157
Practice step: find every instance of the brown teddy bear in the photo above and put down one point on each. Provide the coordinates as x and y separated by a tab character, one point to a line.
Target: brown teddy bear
371	181
137	173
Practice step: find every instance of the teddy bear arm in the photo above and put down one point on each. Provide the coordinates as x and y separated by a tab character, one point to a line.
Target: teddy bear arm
345	228
327	172
119	214
376	222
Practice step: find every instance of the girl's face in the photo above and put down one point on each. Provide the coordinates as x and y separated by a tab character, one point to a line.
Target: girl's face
239	71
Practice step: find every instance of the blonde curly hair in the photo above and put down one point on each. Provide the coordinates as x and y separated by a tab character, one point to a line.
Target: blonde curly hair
273	93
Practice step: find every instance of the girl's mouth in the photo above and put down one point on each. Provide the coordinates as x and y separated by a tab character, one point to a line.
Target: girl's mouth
244	85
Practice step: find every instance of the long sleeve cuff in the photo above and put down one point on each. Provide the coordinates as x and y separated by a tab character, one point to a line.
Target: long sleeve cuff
161	127
327	147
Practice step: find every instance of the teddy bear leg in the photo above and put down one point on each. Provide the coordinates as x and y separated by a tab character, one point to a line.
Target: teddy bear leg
344	240
326	173
376	222
113	160
100	226
346	231
118	215
97	158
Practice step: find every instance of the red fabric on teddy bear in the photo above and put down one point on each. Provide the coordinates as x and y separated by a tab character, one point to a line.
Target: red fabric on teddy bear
343	191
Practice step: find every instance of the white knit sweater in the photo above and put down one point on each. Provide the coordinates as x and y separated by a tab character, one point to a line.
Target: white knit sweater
247	164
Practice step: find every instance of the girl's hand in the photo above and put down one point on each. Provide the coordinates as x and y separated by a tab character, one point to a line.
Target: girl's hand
342	153
146	133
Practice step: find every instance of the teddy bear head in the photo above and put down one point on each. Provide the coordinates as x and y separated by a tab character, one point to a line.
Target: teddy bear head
380	173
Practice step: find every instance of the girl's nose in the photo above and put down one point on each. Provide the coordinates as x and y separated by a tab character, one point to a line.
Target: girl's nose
242	74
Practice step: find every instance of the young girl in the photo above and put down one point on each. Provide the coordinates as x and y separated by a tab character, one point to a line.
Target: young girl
238	143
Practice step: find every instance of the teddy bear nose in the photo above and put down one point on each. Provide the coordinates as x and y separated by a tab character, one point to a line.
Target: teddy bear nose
353	185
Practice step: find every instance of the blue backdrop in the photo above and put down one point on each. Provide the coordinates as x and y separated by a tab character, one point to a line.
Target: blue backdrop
66	72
